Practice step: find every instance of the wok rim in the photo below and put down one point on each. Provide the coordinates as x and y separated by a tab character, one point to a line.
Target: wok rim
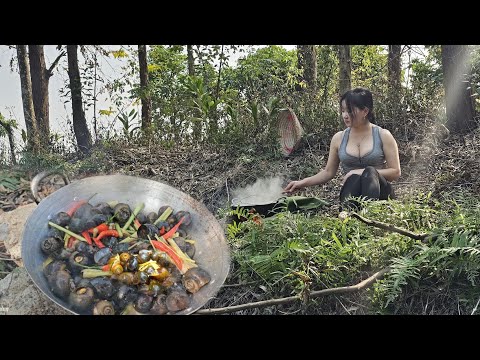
65	192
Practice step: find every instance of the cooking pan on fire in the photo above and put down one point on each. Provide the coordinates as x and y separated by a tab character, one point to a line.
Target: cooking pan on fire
212	251
284	203
266	209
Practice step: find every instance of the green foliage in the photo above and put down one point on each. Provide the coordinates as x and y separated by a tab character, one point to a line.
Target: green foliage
8	181
450	259
238	105
96	163
6	124
426	85
290	252
259	94
35	163
236	226
369	64
475	79
284	246
169	92
269	71
204	105
129	126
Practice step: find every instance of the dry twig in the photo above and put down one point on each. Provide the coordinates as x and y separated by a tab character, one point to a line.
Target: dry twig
389	227
340	290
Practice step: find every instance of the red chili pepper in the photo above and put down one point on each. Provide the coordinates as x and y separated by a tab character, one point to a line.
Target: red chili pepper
98	243
173	230
87	237
70	242
136	223
100	228
162	230
103	234
106	267
176	259
74	206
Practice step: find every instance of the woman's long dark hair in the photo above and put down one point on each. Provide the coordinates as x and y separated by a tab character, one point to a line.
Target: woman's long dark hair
361	98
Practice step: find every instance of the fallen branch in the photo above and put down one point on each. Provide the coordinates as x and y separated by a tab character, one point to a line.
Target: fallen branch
245	284
389	227
340	290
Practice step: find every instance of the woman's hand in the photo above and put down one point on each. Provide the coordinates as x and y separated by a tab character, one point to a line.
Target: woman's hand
292	186
351	172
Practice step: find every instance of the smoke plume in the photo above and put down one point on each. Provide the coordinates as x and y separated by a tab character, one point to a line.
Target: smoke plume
263	191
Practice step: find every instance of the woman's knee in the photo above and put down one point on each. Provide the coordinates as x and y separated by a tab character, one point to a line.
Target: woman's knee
352	186
370	171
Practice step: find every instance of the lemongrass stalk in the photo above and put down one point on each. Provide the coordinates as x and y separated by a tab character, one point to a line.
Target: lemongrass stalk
162	240
129	234
65	240
134	214
119	230
127	240
164	216
47	261
136	243
179	251
66	231
93	273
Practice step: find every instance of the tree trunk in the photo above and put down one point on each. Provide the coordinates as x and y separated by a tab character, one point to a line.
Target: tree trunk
458	94
394	80
345	69
146	101
197	125
394	67
307	60
80	127
40	80
191	69
33	142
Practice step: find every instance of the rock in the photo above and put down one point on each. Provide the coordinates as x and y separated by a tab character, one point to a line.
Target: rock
11	230
20	296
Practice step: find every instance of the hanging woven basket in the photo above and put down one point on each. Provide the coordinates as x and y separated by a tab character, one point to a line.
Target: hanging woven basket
290	131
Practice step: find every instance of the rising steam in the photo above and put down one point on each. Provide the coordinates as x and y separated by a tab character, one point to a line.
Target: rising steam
263	191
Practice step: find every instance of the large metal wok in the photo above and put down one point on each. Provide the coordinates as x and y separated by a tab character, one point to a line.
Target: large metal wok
212	251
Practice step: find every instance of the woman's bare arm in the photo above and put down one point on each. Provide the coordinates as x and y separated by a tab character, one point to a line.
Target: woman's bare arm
324	175
390	148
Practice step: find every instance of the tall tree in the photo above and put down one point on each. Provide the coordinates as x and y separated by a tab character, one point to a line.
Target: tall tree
197	125
394	79
40	76
307	61
458	95
394	67
345	69
146	100
190	61
33	142
40	80
82	134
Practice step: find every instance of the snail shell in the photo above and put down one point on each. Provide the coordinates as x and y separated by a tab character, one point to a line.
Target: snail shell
103	307
195	278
